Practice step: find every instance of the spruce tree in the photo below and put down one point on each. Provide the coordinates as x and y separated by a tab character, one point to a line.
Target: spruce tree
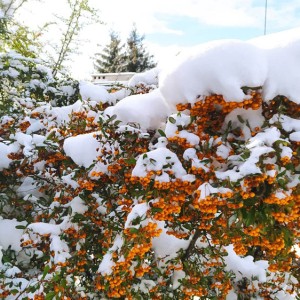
137	57
112	57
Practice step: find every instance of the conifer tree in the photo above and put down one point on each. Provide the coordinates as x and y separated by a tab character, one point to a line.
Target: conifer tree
137	57
112	58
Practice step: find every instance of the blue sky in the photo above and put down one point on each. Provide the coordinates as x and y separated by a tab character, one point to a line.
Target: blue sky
195	33
281	15
169	25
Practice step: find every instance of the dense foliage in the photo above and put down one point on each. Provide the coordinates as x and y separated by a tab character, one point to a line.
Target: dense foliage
92	208
104	228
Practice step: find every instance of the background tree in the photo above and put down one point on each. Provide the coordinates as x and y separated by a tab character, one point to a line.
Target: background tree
112	58
73	25
14	35
137	57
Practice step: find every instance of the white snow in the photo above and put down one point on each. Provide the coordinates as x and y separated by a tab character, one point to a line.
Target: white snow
167	245
156	160
4	151
139	210
254	118
190	154
83	149
107	262
223	67
60	248
223	151
267	137
45	228
92	92
245	266
105	267
26	141
10	235
206	190
288	124
219	67
295	136
178	275
149	77
77	206
28	186
249	166
181	120
68	180
12	272
58	114
149	110
283	60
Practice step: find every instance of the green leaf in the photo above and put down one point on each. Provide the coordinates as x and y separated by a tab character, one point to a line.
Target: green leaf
130	161
20	227
205	161
250	218
288	237
14	291
156	209
240	119
45	272
289	166
51	135
282	173
281	183
161	132
172	120
134	230
117	122
56	278
152	161
50	296
112	118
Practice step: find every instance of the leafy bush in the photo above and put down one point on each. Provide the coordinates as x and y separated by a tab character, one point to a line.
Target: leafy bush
103	210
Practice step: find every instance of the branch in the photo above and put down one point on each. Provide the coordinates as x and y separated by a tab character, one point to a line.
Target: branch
191	246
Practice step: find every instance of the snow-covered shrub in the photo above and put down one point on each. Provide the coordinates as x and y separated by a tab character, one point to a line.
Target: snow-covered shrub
25	81
208	206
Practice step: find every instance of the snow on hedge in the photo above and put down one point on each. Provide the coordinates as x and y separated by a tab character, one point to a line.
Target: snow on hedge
148	110
224	67
104	166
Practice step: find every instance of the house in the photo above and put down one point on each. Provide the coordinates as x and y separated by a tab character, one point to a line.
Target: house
109	79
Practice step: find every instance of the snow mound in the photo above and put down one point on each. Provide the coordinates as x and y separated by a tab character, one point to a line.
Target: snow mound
224	67
219	67
10	236
4	151
149	110
245	266
156	160
83	149
149	77
92	92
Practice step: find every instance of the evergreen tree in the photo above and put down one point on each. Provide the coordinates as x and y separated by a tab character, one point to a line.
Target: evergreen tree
112	58
137	57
